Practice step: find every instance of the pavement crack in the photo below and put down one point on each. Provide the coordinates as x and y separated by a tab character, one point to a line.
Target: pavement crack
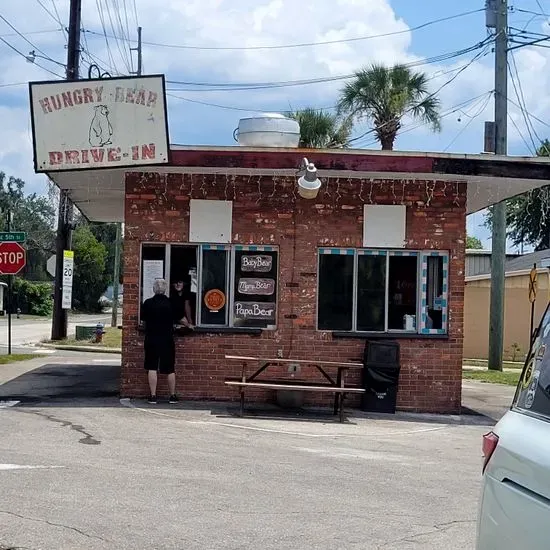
88	439
53	524
437	528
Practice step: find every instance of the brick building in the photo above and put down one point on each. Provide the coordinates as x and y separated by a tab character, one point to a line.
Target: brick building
379	253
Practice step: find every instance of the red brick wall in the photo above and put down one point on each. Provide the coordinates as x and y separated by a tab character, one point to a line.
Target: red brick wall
269	211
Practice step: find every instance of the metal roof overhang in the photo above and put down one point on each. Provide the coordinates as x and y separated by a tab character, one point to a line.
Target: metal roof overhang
99	194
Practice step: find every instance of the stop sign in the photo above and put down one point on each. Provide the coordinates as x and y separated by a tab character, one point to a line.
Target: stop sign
12	258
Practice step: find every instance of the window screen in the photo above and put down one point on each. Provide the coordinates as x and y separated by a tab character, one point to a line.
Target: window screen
371	293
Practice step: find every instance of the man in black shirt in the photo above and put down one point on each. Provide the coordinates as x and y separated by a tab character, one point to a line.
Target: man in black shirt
160	353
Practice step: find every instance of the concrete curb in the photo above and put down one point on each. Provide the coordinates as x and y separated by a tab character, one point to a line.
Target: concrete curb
89	349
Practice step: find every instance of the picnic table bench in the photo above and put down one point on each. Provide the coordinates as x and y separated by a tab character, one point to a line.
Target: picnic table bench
338	386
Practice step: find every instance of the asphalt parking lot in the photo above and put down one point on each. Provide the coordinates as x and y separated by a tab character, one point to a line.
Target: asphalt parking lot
94	473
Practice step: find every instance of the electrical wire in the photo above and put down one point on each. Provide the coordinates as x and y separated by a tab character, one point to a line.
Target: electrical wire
520	97
55	17
472	118
136	13
102	21
308	44
452	110
433	94
23	55
529	147
233	86
32	44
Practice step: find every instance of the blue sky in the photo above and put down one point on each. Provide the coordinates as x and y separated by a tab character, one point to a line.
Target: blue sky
466	102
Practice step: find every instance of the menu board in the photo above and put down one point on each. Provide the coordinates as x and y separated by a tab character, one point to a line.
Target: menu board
152	270
255	293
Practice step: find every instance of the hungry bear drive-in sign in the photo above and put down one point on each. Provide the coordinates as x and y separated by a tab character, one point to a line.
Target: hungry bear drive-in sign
104	123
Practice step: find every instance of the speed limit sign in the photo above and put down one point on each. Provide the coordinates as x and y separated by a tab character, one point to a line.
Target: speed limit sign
67	288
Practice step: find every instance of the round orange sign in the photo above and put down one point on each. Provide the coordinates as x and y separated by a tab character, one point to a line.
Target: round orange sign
214	299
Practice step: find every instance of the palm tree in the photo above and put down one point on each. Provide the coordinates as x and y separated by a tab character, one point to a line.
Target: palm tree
385	95
321	129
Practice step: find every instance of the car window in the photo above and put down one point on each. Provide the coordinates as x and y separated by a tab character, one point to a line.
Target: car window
533	392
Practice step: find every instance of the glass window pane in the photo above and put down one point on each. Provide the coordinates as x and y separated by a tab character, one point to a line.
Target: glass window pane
213	295
255	292
335	300
434	290
533	393
402	292
152	267
371	293
183	268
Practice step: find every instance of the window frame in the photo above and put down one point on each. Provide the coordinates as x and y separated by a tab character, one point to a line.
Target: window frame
230	278
421	287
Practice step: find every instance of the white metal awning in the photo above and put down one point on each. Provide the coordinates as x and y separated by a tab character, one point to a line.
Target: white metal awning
99	194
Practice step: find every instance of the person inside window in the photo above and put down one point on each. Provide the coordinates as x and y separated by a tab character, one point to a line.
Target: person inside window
181	304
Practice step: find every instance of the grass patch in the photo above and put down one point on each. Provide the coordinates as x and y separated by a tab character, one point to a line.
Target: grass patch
483	363
492	376
15	357
111	339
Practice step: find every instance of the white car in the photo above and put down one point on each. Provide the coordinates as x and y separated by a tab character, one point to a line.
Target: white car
514	512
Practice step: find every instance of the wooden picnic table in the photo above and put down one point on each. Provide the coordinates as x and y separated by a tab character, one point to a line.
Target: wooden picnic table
338	386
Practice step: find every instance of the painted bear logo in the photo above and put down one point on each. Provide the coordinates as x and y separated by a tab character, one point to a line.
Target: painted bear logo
100	128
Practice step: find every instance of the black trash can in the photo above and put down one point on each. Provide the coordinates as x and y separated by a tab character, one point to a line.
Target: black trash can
381	377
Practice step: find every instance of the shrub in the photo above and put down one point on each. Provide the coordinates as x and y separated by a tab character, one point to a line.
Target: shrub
31	298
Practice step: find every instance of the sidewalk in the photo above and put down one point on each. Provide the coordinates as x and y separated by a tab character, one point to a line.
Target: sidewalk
491	400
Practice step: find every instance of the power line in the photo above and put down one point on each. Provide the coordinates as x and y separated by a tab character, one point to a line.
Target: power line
34	46
433	94
472	118
136	13
23	55
520	97
30	33
452	110
308	44
520	134
530	114
232	86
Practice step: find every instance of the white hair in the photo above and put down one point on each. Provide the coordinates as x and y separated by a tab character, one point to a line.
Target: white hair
159	286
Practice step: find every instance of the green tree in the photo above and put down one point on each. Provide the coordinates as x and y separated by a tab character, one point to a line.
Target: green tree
33	214
90	279
384	95
473	243
105	233
528	215
322	130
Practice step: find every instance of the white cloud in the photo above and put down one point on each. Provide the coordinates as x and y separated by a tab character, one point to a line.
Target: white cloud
246	23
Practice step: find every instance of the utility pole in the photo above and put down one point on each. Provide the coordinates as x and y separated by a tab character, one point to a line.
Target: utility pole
65	213
118	238
498	249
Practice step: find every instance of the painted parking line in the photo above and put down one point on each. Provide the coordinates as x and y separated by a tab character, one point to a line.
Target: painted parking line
128	403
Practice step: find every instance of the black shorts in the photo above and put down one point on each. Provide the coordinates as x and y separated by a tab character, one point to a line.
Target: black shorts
160	356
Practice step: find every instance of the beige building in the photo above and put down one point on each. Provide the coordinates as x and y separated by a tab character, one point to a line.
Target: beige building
517	306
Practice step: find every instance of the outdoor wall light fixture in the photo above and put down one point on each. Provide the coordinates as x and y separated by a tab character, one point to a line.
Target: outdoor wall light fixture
308	183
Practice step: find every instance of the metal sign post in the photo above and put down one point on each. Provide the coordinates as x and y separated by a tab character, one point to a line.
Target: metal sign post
12	260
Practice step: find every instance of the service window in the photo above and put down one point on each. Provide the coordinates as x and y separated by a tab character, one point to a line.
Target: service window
533	392
368	290
228	286
255	287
